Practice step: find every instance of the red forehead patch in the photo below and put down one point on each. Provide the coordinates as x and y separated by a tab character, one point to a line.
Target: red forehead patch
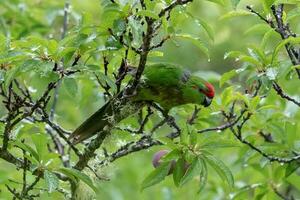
210	90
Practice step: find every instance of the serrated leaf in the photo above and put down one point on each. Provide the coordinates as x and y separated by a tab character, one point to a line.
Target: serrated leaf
157	175
52	182
195	41
222	170
193	170
74	173
179	171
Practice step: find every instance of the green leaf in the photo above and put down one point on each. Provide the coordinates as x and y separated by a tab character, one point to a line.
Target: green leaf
272	73
179	171
147	13
4	43
257	28
293	13
2	75
10	75
290	40
11	57
157	175
227	76
40	142
227	96
236	13
267	107
167	142
235	3
52	47
112	43
28	149
254	102
107	80
208	29
52	182
70	86
223	171
119	27
220	2
203	175
291	168
193	170
71	173
197	42
173	155
266	37
219	144
156	54
137	32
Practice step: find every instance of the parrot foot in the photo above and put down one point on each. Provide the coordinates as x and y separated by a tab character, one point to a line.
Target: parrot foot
126	95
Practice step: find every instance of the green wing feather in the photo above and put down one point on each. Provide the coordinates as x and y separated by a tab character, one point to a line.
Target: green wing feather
92	125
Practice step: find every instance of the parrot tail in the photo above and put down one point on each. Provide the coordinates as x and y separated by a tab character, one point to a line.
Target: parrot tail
93	124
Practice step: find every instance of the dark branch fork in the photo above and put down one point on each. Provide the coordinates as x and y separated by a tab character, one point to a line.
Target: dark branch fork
285	32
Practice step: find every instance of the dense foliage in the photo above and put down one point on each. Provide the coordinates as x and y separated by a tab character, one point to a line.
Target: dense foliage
60	61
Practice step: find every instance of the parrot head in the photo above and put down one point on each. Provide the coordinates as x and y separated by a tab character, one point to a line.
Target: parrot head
209	92
200	91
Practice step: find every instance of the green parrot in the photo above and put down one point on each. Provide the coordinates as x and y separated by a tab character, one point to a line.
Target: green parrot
165	84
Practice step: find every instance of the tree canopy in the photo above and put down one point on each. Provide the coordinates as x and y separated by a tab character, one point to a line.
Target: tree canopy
60	61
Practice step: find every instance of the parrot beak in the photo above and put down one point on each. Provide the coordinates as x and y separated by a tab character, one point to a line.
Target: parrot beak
207	101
